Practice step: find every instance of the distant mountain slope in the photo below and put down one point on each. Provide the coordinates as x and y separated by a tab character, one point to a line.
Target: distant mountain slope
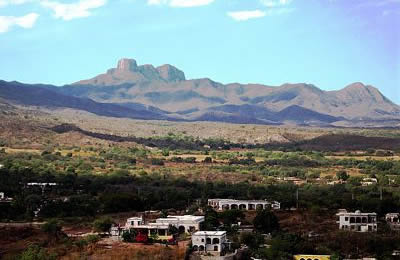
32	95
166	88
163	92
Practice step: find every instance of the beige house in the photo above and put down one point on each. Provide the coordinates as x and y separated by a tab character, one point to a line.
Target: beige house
357	221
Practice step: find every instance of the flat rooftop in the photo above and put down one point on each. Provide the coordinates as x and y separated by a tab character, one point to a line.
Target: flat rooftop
238	201
209	233
185	217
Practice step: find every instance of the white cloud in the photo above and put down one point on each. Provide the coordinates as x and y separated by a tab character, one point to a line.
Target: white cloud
275	3
27	21
13	2
180	3
73	10
246	15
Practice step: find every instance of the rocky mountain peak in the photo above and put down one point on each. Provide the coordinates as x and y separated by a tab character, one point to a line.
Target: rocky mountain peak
170	73
127	65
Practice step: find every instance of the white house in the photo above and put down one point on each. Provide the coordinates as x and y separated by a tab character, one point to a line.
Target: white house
186	223
393	219
213	242
225	204
357	221
369	181
134	222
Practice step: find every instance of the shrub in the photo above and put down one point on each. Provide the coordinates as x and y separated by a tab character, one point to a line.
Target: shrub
102	224
157	161
34	252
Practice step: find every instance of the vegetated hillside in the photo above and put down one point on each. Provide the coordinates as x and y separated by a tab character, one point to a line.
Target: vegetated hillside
333	142
348	142
147	85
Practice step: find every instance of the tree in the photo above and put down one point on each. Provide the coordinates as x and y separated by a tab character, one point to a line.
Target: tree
207	160
127	237
165	152
230	217
252	240
342	175
210	219
266	221
103	224
34	252
52	228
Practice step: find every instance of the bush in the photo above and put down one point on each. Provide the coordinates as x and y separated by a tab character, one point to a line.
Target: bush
34	252
157	161
190	160
342	175
207	160
102	224
52	227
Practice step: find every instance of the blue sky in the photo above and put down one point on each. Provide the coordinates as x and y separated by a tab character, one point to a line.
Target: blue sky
329	43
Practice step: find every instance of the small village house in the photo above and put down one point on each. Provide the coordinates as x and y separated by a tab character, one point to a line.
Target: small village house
213	242
357	221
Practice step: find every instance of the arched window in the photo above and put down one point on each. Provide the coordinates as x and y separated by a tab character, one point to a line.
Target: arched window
215	241
208	241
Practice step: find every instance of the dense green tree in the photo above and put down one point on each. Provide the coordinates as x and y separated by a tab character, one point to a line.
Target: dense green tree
103	224
266	221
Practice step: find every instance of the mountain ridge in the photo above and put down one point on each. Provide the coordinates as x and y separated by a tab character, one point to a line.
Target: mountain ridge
163	92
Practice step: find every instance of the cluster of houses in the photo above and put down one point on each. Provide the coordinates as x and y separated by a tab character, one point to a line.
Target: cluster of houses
215	243
203	242
212	242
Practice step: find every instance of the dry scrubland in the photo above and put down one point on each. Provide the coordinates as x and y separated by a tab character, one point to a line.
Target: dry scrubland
108	178
232	132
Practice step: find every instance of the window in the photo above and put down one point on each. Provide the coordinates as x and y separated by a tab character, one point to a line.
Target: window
202	240
346	218
215	241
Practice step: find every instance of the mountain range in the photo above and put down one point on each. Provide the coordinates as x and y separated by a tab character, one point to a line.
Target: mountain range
164	93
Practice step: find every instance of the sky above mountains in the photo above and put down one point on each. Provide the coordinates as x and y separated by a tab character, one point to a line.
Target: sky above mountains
329	43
